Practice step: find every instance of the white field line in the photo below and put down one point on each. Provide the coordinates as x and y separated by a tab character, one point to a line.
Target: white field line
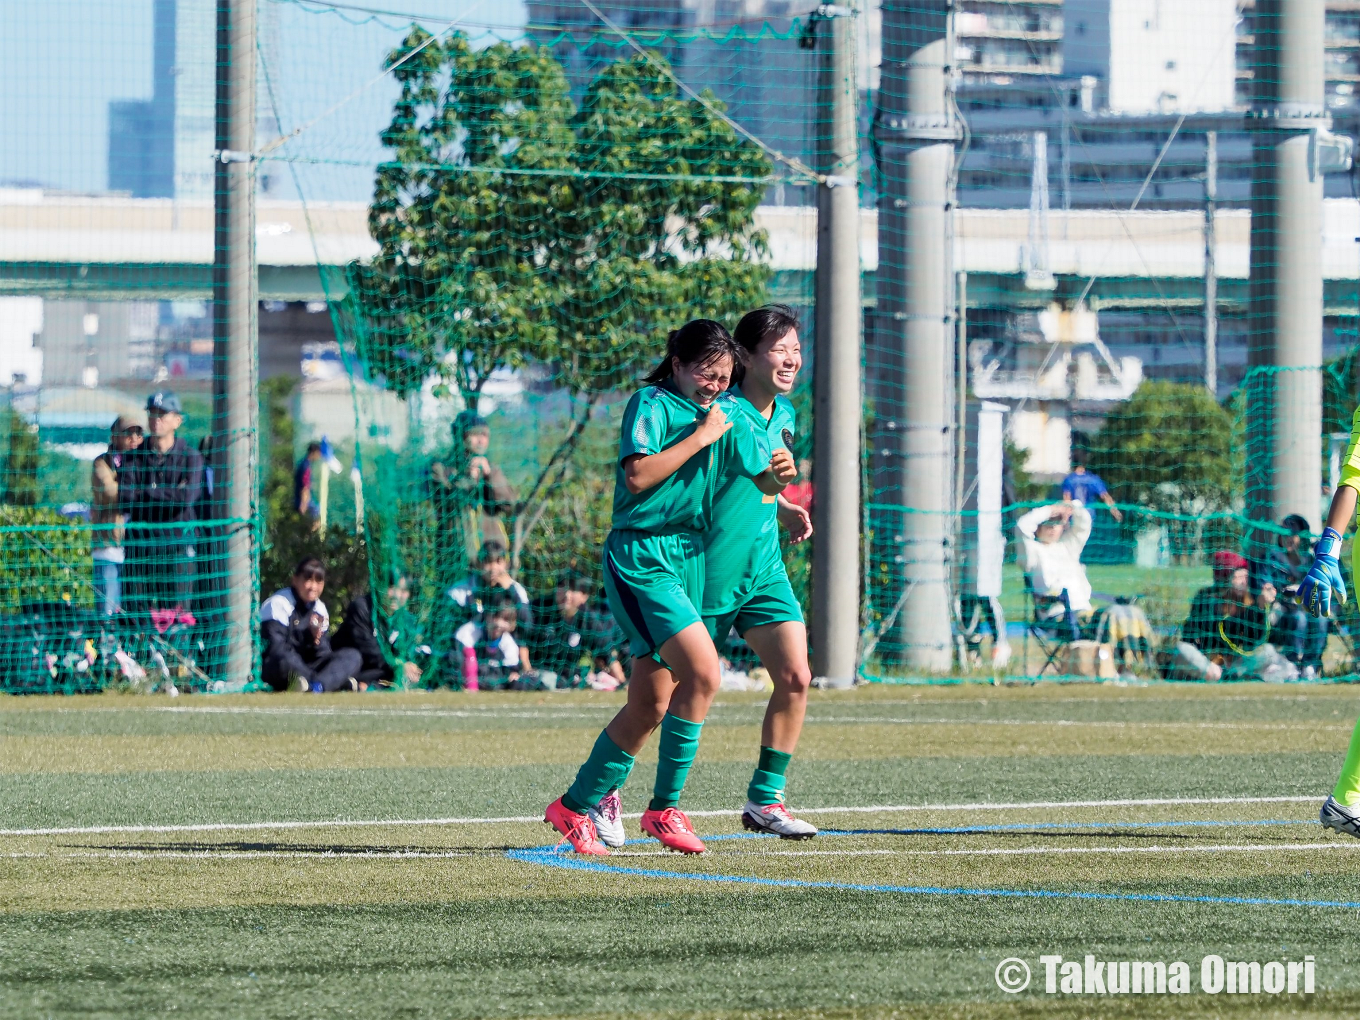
339	823
488	713
1116	724
442	854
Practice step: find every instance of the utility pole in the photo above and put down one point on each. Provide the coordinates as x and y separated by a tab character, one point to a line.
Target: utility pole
235	341
1210	264
1284	402
838	404
960	398
917	133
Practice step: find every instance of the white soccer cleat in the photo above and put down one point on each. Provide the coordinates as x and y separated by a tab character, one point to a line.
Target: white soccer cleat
1340	818
608	818
775	819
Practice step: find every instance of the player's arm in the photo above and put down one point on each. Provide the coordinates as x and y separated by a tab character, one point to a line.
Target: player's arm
642	471
796	520
1324	579
775	478
1108	500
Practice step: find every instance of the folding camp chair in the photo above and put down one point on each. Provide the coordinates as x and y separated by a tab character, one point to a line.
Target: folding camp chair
1052	624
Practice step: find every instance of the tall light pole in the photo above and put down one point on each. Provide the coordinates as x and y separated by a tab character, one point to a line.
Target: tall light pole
836	369
235	343
1210	263
1284	398
917	132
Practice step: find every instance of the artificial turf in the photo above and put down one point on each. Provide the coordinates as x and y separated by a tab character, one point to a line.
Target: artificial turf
184	891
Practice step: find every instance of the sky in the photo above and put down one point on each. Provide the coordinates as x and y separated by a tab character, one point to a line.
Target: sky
62	61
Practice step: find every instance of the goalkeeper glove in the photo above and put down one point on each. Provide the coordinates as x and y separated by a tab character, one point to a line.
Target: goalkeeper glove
1324	577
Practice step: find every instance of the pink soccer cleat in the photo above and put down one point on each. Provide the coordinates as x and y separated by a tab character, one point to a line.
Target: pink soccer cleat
673	829
577	829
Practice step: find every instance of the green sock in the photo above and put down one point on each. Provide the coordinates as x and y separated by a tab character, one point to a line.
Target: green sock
606	769
679	745
1347	791
767	782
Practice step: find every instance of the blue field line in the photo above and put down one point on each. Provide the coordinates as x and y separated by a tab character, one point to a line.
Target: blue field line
966	829
552	859
559	856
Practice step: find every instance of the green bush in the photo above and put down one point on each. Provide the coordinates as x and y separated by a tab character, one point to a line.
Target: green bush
44	557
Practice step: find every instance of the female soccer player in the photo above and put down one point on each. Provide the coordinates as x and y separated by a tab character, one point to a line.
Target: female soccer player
677	441
1341	810
745	583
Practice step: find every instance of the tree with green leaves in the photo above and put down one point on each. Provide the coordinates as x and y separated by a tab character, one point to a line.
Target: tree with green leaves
1170	449
515	229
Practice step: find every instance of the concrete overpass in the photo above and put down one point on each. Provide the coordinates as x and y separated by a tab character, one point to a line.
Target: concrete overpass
110	248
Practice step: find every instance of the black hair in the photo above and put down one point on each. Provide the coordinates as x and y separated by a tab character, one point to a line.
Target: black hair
491	550
574	580
698	342
1296	523
773	322
313	448
310	568
501	607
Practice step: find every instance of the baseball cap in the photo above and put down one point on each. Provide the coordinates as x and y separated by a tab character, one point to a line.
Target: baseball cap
164	402
123	424
469	420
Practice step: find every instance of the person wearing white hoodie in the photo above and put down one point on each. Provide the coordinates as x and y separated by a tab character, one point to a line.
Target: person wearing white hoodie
1054	537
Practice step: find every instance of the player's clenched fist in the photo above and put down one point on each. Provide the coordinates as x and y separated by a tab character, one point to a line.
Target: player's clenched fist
713	426
781	463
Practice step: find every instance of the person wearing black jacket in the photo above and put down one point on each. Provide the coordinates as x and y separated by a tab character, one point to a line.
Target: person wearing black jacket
159	487
366	634
297	651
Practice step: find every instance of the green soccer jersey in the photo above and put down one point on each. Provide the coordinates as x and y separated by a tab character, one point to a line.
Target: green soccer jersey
742	543
656	419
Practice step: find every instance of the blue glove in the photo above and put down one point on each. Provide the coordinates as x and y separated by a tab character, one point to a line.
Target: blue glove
1324	577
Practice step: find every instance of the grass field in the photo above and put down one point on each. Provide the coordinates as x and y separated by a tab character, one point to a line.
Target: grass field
379	856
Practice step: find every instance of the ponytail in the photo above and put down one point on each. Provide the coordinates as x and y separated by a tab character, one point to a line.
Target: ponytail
697	342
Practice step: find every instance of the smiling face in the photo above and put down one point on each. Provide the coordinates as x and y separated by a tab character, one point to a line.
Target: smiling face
775	363
308	586
702	381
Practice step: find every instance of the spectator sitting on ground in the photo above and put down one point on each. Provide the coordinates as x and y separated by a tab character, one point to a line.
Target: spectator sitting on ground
1054	537
107	539
297	651
159	486
492	582
1226	625
306	484
1302	638
566	638
366	632
1082	487
490	656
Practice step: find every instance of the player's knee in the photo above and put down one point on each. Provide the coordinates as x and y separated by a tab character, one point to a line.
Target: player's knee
795	680
707	678
650	713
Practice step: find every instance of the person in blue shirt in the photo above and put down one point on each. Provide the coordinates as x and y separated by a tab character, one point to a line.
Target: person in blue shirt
1084	487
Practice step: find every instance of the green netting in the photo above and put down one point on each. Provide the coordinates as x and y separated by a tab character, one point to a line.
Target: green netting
475	227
